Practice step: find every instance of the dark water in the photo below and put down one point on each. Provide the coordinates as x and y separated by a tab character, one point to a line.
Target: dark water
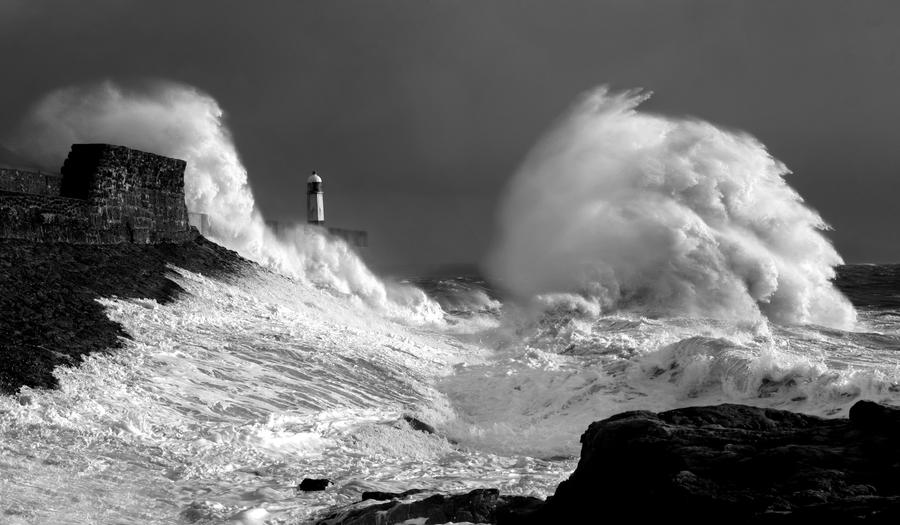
870	285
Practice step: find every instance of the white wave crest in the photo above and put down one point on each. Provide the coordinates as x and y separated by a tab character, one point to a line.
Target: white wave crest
180	121
676	216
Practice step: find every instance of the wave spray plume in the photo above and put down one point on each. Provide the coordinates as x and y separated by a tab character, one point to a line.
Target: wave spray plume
620	209
179	121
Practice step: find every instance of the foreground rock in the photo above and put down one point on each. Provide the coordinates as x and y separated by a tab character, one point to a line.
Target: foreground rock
697	465
385	496
733	462
478	506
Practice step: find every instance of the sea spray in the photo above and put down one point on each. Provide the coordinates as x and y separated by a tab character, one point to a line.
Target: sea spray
616	208
180	121
221	401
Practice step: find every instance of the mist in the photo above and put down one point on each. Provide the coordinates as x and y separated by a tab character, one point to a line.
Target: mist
616	208
180	121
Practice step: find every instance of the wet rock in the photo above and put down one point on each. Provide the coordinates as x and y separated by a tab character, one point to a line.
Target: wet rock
49	315
310	485
477	506
516	509
753	465
419	425
384	496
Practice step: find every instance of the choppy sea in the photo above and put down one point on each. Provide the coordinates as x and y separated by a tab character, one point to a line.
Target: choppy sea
225	399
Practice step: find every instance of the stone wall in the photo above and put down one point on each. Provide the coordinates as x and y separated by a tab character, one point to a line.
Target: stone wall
137	194
42	218
29	181
108	194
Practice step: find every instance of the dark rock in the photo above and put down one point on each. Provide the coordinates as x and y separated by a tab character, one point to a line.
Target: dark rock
751	465
37	182
876	418
477	506
419	425
311	485
108	227
384	496
516	509
49	315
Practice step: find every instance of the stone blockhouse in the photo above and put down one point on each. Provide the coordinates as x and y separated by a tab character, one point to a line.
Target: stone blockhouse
105	194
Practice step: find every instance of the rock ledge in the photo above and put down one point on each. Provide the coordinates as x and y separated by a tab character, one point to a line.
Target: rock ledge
751	465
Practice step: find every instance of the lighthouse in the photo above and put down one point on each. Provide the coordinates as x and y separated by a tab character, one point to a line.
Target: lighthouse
315	200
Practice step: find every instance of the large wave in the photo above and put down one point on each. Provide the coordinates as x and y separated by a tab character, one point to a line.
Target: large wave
617	208
180	121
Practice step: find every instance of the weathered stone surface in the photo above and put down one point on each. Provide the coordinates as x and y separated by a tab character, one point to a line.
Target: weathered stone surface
137	195
107	195
29	181
49	315
751	465
477	506
46	219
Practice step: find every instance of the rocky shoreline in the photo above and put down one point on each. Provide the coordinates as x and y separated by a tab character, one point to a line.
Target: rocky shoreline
48	292
698	464
751	465
738	463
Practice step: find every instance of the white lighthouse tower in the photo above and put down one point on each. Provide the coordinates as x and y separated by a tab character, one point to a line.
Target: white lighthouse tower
315	200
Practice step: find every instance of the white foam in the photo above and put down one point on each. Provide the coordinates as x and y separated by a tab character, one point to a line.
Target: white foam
554	375
253	516
230	396
180	121
618	208
226	398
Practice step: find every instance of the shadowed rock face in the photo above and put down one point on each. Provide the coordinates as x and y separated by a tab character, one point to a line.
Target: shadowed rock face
744	464
477	506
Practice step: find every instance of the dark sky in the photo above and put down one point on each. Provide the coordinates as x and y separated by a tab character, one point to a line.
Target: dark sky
417	112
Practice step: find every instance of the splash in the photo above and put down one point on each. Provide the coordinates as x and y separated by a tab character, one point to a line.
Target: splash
182	122
620	209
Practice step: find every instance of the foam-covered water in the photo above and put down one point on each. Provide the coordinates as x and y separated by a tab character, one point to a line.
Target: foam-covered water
230	396
553	374
224	399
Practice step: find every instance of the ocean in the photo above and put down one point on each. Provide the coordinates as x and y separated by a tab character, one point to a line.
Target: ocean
228	397
640	262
